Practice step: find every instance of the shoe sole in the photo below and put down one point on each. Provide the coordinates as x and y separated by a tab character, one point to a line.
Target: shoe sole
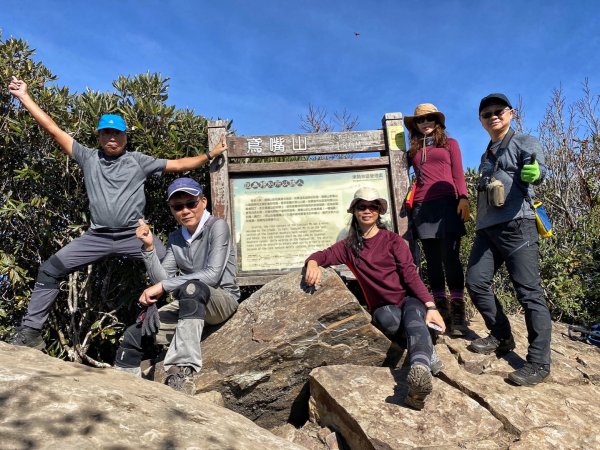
185	385
181	382
419	386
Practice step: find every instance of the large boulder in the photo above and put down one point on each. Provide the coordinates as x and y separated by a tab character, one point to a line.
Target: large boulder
472	405
49	403
365	405
561	412
260	359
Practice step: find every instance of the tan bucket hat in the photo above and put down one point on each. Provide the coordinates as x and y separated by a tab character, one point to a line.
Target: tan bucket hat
424	109
370	195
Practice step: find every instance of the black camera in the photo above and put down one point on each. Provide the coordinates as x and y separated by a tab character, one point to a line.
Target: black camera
483	183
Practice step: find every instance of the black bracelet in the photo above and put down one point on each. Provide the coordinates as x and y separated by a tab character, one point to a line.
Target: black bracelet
207	153
431	308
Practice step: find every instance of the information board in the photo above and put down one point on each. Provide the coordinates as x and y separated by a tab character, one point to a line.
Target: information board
285	196
280	220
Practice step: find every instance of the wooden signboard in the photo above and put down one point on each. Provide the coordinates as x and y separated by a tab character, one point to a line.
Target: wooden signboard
281	212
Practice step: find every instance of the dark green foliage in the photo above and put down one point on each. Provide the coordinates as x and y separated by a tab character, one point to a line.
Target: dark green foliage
43	204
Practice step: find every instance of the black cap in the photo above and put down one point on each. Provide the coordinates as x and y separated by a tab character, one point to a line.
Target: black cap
494	99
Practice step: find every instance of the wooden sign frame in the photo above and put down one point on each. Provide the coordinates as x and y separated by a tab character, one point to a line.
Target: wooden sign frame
388	142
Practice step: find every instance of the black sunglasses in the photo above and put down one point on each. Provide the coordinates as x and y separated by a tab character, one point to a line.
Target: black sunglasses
369	206
189	205
499	113
426	118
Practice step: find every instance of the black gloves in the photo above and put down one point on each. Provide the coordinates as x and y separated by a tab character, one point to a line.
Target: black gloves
149	319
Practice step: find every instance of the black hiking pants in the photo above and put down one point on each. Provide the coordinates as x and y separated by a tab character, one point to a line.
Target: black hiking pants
514	243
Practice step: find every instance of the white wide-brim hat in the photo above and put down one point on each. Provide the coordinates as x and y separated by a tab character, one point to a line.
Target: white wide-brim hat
371	195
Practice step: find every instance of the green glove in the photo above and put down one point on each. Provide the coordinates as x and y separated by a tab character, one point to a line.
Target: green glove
530	172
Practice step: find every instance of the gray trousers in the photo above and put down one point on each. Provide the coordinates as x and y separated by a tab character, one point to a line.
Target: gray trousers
93	246
183	335
515	244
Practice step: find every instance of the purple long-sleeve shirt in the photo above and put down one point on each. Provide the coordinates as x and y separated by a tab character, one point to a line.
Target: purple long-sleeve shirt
385	269
442	173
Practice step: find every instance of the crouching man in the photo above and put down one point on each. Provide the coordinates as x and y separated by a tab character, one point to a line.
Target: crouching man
199	269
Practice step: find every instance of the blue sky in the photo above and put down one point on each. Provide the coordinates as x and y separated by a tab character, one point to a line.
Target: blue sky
261	63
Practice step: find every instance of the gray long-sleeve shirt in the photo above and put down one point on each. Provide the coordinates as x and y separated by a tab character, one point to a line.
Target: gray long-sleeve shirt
209	258
511	161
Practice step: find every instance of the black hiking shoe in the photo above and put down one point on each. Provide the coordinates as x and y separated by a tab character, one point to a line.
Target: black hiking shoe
530	374
181	378
419	386
458	318
492	344
28	337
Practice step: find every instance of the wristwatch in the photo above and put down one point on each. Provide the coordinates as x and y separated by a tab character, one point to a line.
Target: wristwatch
431	308
207	153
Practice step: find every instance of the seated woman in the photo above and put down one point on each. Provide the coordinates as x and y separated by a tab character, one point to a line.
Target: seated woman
396	296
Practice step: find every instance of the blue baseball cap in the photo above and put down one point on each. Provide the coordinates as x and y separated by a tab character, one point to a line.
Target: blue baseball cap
186	185
111	121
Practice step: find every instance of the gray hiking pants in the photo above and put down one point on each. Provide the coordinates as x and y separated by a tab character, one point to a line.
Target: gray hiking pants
515	244
93	246
183	335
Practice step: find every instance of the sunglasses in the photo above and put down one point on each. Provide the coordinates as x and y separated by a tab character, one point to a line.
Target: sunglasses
427	118
498	113
369	206
189	205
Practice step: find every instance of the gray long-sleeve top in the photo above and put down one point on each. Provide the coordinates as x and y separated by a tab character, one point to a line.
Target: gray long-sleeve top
209	258
511	161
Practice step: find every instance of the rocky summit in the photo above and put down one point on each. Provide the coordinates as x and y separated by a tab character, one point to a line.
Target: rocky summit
472	404
305	369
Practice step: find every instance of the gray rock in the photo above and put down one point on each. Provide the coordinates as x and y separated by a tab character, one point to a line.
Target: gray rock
308	436
49	403
472	406
259	363
260	359
561	412
365	404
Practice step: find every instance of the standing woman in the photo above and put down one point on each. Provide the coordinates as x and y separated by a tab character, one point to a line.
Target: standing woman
440	208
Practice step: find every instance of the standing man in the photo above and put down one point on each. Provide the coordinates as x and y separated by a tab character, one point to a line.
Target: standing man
506	233
199	269
114	181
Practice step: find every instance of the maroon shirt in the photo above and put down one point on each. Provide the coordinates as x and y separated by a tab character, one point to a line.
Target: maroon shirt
384	269
442	173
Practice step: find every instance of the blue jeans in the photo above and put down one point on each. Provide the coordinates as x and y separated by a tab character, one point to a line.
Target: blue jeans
514	243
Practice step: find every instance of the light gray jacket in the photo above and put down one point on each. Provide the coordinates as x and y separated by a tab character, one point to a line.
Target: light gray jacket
209	258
